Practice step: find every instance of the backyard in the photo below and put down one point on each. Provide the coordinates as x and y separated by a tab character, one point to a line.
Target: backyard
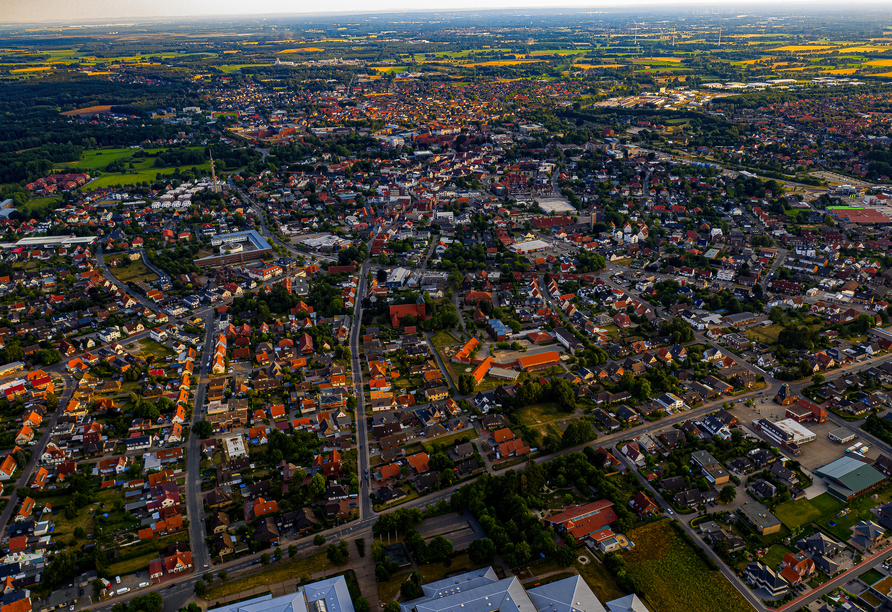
450	440
444	338
668	567
801	511
539	414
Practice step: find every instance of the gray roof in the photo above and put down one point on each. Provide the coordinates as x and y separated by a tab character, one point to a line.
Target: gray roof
506	595
629	603
333	591
567	595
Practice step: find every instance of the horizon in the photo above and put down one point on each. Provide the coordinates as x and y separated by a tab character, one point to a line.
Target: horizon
100	13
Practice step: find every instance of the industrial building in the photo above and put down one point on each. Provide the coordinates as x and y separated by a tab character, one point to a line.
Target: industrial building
848	478
787	433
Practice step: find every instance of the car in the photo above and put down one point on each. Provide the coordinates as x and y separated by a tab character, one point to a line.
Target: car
143	585
173	585
670	510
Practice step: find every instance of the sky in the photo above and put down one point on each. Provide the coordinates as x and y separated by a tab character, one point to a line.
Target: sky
18	11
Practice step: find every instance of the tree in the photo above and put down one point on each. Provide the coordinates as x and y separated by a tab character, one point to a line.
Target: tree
264	559
222	574
439	548
727	494
201	588
80	533
319	540
482	551
203	429
208	577
466	384
317	485
292	550
361	604
818	378
392	606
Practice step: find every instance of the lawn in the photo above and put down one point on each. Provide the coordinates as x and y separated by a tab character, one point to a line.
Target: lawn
600	580
668	566
537	414
274	574
444	338
870	576
858	510
801	511
135	271
149	552
774	555
389	589
450	440
38	205
432	572
151	347
765	335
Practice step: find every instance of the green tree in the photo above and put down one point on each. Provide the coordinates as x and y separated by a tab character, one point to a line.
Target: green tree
319	539
482	551
208	577
201	588
264	559
466	384
392	606
222	574
818	378
361	604
439	548
727	494
317	486
203	429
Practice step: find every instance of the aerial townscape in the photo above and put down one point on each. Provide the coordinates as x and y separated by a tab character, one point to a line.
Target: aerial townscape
539	310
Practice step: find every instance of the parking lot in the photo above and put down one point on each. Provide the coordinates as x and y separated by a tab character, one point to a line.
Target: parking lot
460	529
814	454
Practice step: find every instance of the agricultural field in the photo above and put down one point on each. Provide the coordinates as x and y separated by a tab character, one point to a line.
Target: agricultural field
143	170
667	566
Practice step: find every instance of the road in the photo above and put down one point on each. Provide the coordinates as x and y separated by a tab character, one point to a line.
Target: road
36	452
141	299
365	507
194	503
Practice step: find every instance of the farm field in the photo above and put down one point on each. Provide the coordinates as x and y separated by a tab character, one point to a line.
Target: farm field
668	566
38	205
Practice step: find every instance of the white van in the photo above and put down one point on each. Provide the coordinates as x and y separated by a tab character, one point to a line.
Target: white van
143	585
117	580
123	590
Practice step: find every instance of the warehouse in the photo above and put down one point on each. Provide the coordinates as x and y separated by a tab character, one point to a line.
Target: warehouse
842	435
531	246
787	432
848	478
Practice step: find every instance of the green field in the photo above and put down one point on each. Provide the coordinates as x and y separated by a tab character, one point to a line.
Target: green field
39	204
135	271
870	576
538	414
801	511
444	338
143	171
450	440
669	567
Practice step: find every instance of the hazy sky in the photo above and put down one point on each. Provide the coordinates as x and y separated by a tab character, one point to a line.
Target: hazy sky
101	10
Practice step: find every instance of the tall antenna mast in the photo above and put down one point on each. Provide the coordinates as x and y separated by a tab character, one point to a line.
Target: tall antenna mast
720	35
213	173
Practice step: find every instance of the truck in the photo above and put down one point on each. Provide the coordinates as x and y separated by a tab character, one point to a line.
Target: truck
854	447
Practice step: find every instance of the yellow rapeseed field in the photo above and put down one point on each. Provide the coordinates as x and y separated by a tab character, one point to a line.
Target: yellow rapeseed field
505	63
884	62
305	50
36	69
795	48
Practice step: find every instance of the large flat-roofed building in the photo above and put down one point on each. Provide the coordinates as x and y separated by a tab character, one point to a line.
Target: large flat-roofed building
531	246
329	595
848	478
540	361
760	518
787	432
254	246
582	521
482	591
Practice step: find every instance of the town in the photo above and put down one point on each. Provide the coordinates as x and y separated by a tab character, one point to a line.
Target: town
351	318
